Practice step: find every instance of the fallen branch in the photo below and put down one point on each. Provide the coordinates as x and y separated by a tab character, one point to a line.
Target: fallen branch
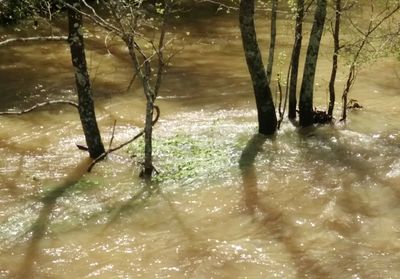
110	150
39	105
34	39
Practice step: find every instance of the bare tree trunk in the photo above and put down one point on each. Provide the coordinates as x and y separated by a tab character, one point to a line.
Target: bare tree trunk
366	35
295	59
307	85
267	120
148	147
349	83
273	40
85	101
144	72
336	48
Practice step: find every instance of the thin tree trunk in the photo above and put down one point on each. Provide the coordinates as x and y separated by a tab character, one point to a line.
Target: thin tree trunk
307	85
273	40
336	48
295	59
85	101
267	120
353	70
148	147
144	72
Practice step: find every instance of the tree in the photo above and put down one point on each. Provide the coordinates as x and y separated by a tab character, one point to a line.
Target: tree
130	20
272	40
85	101
366	41
85	104
267	121
307	85
336	48
295	59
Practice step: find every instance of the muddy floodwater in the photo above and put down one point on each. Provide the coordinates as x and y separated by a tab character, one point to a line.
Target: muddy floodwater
316	203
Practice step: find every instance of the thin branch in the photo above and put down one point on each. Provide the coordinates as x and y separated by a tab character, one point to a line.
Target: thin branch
112	135
161	44
34	39
110	150
95	18
131	81
39	105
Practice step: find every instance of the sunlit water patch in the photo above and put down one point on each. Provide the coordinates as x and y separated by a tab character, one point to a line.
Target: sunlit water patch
227	204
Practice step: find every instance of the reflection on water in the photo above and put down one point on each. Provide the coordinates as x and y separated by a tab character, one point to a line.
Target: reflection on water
316	203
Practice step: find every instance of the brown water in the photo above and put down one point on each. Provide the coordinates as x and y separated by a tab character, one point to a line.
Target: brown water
320	203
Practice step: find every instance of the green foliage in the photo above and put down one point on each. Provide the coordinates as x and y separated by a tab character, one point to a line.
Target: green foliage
12	11
183	158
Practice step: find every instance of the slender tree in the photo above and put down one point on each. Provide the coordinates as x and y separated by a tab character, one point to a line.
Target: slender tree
85	101
267	121
271	53
307	85
377	20
295	59
128	20
336	48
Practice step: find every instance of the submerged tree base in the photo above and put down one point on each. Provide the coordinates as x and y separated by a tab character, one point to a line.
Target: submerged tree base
321	117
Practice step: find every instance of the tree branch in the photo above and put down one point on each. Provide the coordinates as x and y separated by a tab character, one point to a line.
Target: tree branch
110	150
34	39
39	105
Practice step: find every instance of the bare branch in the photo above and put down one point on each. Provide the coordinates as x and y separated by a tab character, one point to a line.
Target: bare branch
138	135
39	105
95	18
34	39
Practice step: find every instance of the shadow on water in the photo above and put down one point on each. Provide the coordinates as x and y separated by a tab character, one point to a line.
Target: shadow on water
273	221
331	148
39	228
148	190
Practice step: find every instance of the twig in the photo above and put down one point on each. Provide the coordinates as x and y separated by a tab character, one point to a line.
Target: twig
112	135
39	105
110	150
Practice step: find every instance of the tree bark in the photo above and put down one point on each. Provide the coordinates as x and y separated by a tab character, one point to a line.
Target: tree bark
295	59
85	101
267	120
148	146
307	86
336	48
144	72
273	40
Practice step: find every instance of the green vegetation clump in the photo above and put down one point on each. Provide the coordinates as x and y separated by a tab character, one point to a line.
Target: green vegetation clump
185	158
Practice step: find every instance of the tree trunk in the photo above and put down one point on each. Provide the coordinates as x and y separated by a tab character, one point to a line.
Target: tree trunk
295	59
148	146
307	85
273	40
85	101
267	120
336	48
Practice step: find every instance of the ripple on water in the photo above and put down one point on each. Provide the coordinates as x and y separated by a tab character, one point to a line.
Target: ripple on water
321	203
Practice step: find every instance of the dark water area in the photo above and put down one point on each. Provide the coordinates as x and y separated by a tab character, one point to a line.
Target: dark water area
313	203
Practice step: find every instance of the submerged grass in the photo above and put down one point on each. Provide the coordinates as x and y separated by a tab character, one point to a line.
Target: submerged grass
186	159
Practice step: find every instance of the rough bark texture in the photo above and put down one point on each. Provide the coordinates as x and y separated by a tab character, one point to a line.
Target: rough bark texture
295	59
86	105
273	40
307	86
267	120
336	48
